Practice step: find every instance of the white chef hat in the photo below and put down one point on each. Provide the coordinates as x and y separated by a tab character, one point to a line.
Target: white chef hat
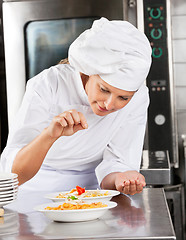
115	50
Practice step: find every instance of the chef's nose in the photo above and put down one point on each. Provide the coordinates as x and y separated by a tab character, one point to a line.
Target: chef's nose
110	103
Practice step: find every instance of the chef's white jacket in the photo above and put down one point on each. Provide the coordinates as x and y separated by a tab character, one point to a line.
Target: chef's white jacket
112	143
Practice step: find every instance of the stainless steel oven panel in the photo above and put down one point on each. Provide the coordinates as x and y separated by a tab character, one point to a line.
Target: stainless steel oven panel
173	120
17	14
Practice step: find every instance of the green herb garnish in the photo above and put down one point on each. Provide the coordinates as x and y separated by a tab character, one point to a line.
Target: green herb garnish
73	198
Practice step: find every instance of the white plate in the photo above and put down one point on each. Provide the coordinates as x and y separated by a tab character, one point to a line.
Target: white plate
112	193
74	215
7	198
6	192
8	181
9	185
2	200
8	195
7	176
9	188
6	202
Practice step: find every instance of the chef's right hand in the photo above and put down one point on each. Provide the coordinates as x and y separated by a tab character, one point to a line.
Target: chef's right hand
67	123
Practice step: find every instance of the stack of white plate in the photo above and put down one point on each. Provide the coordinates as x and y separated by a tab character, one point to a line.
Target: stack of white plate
8	188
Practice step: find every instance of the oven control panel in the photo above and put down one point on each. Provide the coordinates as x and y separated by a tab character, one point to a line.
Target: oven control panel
159	115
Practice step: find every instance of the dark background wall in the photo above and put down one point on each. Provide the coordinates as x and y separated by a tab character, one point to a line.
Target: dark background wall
3	102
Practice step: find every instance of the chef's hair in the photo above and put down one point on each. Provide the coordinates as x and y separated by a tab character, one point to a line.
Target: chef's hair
64	61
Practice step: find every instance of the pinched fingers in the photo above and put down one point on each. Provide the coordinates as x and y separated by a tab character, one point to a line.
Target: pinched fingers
67	117
78	118
60	120
83	120
73	117
66	124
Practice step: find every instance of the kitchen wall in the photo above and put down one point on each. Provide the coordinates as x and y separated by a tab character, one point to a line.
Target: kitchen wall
179	60
178	11
3	101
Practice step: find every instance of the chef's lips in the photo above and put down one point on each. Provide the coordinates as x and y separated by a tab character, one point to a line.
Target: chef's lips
115	50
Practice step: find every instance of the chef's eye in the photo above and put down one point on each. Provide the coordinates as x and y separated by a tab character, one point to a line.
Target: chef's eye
124	98
103	90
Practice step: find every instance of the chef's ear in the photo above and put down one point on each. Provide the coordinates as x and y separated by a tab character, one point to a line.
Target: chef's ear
84	78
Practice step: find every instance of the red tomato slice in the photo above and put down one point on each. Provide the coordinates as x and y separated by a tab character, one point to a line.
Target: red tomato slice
80	190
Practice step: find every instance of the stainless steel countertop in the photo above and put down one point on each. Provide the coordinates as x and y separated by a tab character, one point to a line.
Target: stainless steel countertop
142	216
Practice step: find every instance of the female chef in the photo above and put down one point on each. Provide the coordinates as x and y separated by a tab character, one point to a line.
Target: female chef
83	123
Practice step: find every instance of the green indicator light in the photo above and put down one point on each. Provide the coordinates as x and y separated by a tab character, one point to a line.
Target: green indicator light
161	18
148	9
157	52
157	14
156	33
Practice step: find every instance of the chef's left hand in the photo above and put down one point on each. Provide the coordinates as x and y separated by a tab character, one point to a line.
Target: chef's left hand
130	182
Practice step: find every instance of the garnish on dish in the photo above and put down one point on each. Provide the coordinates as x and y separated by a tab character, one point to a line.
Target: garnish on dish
80	192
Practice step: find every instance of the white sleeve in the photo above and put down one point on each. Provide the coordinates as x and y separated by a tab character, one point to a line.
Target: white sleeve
124	151
31	118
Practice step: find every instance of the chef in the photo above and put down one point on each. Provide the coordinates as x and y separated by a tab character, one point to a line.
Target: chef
83	123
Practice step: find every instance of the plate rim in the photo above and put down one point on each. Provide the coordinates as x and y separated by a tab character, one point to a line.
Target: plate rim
111	203
9	184
9	192
6	202
10	187
10	177
9	181
84	198
8	199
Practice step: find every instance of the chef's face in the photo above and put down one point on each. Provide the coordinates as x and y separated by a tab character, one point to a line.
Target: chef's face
104	98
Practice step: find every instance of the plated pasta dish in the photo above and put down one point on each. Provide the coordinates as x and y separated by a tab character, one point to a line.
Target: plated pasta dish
76	206
79	192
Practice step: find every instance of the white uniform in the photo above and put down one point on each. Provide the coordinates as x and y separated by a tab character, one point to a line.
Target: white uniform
112	143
